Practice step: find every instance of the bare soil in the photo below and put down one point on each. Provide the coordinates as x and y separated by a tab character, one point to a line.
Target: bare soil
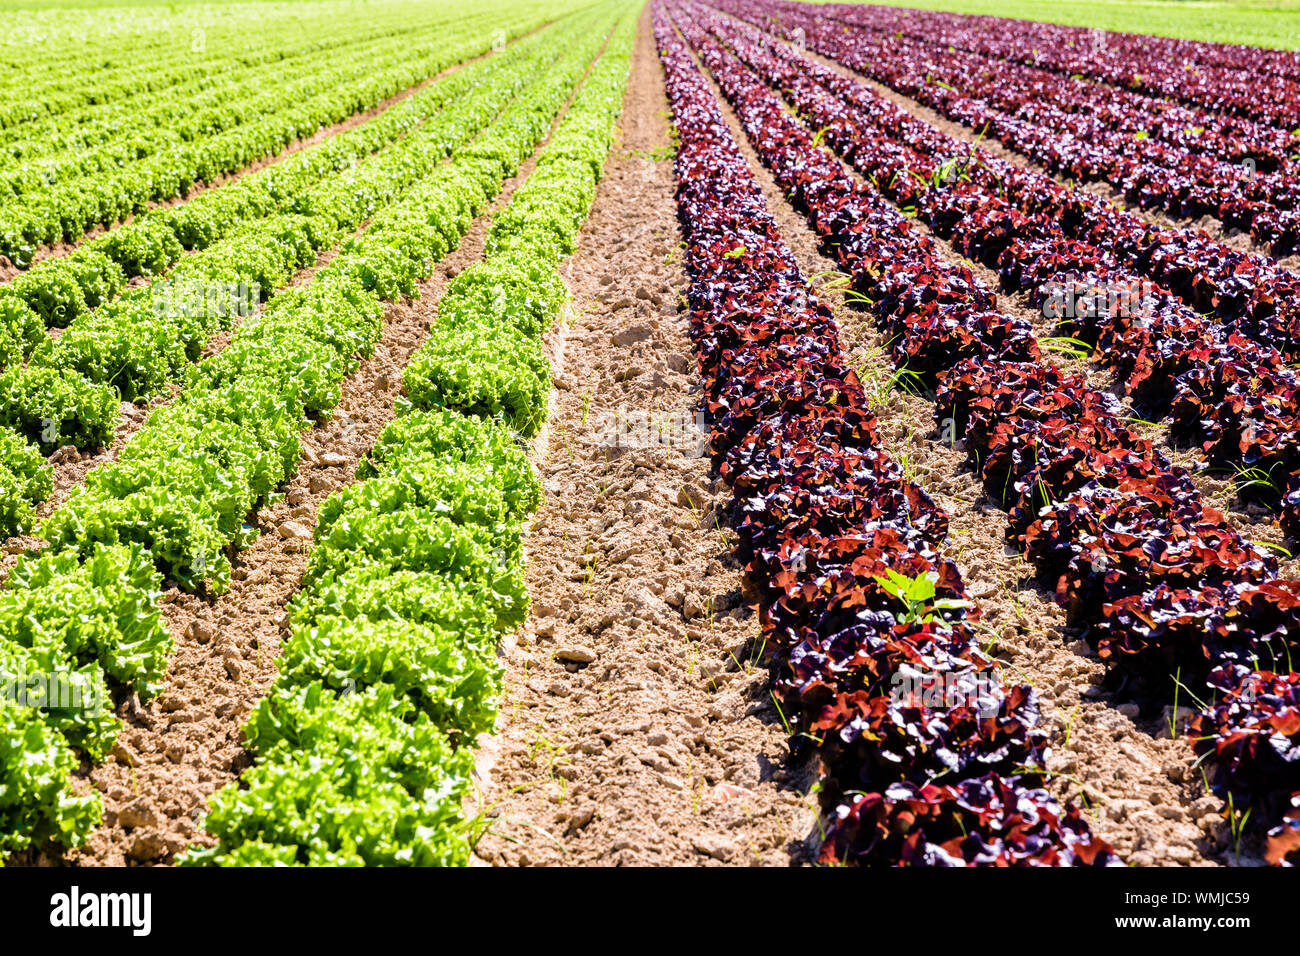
636	726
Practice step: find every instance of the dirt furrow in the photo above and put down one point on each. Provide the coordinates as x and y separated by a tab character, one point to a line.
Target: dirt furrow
636	726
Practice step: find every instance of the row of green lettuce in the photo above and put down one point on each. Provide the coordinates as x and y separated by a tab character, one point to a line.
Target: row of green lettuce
202	114
60	289
146	112
190	116
70	389
365	743
66	208
177	499
121	56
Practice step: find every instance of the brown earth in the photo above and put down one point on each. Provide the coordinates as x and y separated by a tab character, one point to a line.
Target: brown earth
636	726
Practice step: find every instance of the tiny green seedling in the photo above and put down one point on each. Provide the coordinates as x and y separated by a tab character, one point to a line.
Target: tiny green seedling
1066	345
919	595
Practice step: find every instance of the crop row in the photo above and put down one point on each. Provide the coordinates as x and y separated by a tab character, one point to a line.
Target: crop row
365	743
152	113
104	62
189	119
1252	292
66	209
188	526
1149	118
1170	594
60	289
178	496
1230	394
69	389
1074	129
1228	82
872	629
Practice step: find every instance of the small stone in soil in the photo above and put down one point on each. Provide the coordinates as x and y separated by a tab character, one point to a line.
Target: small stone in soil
137	814
713	846
575	654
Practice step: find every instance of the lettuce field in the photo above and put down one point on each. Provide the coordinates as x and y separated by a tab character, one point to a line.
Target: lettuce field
648	432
